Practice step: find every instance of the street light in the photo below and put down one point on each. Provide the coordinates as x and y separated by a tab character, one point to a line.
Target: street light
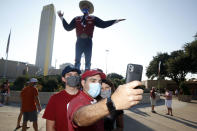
107	52
83	62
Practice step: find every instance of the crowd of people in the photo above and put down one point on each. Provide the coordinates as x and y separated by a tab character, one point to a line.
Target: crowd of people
89	102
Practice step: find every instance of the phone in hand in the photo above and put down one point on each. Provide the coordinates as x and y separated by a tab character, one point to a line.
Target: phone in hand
134	72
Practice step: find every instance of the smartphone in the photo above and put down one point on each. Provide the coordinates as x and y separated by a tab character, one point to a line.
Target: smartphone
134	72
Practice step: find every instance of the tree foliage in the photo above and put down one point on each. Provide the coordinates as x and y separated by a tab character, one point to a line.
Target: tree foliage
114	76
191	53
19	83
185	89
176	65
49	83
152	69
116	79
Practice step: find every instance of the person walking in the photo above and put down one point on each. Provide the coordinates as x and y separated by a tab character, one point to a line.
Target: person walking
84	30
18	125
153	99
168	101
30	104
5	92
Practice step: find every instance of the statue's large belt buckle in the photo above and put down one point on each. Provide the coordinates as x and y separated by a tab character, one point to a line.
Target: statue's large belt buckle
84	36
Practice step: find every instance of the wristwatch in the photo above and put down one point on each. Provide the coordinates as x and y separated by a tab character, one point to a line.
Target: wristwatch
110	105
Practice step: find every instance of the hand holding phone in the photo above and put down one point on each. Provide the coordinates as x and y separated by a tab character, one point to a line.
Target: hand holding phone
134	72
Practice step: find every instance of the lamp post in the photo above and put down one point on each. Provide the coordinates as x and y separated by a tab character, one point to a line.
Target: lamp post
107	52
83	62
55	63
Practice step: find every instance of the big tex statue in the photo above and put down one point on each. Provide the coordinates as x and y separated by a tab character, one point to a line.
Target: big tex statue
84	30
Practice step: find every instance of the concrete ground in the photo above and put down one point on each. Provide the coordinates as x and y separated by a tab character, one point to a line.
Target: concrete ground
138	118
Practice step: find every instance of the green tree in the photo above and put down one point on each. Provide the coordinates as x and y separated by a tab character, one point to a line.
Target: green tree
49	84
116	79
177	66
152	69
114	76
184	88
19	83
191	52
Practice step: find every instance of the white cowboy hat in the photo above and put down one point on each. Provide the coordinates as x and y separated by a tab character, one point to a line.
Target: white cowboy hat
33	80
88	4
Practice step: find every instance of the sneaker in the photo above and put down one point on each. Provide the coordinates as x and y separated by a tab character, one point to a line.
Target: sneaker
18	127
1	105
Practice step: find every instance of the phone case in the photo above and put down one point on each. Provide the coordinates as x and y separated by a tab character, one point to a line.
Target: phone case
134	72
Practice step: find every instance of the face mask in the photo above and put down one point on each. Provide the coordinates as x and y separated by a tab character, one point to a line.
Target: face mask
94	89
106	93
73	81
34	84
85	11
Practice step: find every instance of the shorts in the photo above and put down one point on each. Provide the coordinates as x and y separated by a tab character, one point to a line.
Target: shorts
152	101
3	94
8	95
31	116
168	103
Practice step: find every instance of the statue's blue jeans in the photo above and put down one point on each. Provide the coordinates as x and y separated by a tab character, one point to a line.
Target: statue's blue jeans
83	46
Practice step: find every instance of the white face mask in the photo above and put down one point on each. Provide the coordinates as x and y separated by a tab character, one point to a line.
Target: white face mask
106	93
94	89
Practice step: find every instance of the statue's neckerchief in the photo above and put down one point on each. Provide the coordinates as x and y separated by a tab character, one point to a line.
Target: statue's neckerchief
85	12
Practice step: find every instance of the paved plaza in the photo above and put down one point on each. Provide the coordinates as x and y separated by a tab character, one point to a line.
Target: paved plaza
138	118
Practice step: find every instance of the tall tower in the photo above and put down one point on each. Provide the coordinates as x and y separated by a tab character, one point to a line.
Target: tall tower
46	38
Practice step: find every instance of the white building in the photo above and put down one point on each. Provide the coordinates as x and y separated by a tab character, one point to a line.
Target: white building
46	38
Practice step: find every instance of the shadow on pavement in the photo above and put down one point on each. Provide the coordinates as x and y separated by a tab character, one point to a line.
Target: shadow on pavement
136	108
193	102
161	102
186	120
133	125
18	105
182	121
137	111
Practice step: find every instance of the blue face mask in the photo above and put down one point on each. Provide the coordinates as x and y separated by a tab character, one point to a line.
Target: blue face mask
94	89
85	11
106	93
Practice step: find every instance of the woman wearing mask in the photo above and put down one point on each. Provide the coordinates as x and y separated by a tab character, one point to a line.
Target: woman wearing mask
116	116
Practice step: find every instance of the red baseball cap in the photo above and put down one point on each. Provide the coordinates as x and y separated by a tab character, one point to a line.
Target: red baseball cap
89	73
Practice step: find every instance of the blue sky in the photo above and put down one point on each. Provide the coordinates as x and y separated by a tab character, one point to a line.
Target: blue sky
151	26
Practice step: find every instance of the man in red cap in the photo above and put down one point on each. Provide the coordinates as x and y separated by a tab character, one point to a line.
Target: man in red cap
85	114
84	29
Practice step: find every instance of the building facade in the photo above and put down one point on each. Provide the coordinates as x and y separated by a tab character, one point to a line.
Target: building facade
45	39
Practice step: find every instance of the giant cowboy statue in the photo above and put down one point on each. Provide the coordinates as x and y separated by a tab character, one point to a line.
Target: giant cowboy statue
84	29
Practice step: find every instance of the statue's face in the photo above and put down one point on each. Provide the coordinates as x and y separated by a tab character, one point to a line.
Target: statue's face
85	7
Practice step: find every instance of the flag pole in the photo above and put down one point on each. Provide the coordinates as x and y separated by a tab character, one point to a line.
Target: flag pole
5	66
5	63
159	69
